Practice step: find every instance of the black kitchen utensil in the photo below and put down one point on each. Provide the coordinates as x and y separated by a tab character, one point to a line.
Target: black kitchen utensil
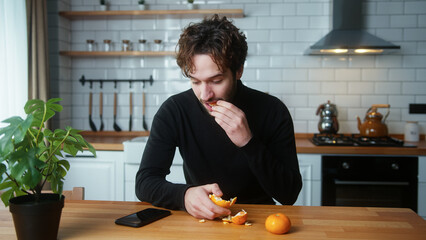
130	111
115	126
145	127
101	128
91	123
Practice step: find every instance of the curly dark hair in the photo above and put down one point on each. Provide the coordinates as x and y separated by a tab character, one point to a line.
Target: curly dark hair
214	36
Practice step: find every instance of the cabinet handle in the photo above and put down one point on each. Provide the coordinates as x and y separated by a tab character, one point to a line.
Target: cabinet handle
377	183
80	156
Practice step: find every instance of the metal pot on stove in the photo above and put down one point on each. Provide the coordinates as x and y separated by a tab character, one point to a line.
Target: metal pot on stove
328	118
374	122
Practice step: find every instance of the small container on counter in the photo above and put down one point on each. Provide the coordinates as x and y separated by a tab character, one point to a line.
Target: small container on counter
411	132
90	45
107	45
125	46
142	45
158	46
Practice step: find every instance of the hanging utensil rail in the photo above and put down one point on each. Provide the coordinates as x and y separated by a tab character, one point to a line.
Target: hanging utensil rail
83	80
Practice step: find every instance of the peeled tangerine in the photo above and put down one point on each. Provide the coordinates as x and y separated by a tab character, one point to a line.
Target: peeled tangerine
221	202
240	218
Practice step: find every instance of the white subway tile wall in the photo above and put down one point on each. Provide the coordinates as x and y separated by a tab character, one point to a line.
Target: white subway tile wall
278	32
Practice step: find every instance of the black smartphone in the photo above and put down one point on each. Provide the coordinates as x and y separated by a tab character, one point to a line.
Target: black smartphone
143	217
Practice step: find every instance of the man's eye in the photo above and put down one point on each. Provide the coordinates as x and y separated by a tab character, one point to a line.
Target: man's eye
217	81
195	82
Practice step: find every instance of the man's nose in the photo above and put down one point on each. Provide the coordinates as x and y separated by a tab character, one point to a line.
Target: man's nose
206	91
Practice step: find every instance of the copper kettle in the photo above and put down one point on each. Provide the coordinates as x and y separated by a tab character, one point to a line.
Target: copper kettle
374	122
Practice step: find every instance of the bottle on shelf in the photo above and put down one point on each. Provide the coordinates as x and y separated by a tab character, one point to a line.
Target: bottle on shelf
90	45
125	46
142	45
158	46
107	45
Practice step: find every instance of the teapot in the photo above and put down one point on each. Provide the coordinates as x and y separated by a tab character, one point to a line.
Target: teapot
328	118
374	122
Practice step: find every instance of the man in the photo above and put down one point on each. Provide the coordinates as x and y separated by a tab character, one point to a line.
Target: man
234	141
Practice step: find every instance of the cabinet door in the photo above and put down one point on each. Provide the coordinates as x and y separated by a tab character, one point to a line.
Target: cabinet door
310	169
101	176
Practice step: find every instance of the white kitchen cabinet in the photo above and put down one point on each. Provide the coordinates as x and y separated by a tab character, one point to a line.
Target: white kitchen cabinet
101	176
421	201
310	169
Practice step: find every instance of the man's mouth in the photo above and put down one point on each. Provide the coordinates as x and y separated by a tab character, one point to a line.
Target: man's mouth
210	104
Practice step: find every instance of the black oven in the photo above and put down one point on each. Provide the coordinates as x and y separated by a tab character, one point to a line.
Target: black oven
369	181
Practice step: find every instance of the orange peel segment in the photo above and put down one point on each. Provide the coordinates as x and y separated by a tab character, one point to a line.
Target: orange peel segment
221	202
240	218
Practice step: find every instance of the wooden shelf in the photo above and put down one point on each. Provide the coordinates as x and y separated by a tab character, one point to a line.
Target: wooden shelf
196	13
116	54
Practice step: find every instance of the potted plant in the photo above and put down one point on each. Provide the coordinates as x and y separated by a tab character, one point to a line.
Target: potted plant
141	4
30	157
103	5
190	4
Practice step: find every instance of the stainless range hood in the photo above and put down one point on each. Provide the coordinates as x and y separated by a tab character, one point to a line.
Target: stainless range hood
348	36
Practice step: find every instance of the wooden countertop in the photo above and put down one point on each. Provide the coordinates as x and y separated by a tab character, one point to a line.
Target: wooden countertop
95	220
113	141
110	141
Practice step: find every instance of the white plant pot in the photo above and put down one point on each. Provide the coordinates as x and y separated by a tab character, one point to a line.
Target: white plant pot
103	7
141	7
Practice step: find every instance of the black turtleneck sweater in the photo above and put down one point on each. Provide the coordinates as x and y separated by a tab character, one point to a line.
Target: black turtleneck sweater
265	168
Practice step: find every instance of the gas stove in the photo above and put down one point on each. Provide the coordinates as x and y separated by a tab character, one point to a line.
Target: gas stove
355	140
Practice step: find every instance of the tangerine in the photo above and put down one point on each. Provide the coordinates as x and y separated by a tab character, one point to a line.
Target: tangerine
221	202
278	223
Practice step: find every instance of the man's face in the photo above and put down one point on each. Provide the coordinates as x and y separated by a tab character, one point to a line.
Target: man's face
209	83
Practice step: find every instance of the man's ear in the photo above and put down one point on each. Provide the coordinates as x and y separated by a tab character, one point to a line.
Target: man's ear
239	73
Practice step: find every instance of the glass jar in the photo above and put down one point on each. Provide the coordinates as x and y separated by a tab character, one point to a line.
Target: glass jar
90	45
125	46
107	45
142	45
411	132
158	46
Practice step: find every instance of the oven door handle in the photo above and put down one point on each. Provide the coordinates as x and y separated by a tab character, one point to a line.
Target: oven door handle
339	182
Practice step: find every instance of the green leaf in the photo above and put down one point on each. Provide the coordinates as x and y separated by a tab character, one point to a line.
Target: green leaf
7	184
5	196
26	168
56	182
47	132
70	149
91	149
83	142
41	110
32	104
14	133
52	104
65	163
3	169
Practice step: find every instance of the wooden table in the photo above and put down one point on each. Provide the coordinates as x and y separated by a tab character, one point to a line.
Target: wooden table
95	220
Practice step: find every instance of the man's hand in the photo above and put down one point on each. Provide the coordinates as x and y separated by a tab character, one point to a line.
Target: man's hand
233	121
199	205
